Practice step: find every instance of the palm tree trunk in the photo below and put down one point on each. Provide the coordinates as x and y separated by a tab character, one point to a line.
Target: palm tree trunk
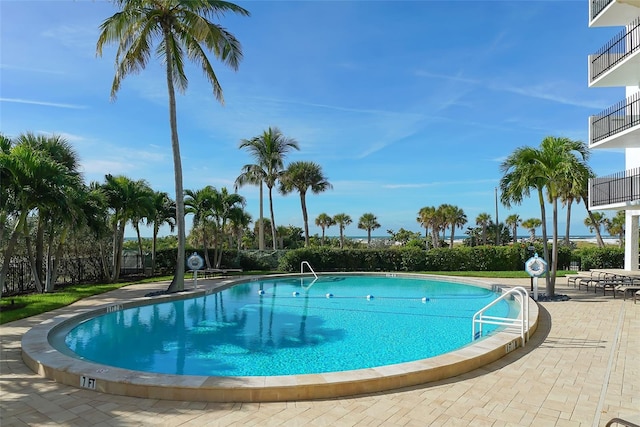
261	225
140	252
10	247
40	247
273	220
585	199
177	284
545	243
567	230
305	218
32	264
119	249
154	243
205	245
453	229
554	256
426	238
341	236
114	248
52	267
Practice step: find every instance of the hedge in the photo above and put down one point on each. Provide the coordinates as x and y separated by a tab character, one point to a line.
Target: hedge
459	258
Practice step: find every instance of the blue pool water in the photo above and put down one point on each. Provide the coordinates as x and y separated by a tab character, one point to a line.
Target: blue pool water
286	326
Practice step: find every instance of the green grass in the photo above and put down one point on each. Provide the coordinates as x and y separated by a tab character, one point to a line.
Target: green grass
33	304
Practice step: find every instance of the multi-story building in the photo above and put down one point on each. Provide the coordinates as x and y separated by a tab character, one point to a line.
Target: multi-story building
617	63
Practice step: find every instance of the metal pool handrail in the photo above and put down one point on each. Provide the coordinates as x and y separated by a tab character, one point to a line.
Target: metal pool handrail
302	264
520	294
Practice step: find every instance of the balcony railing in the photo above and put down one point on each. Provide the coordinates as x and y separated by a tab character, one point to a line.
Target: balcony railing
617	188
615	119
617	49
598	6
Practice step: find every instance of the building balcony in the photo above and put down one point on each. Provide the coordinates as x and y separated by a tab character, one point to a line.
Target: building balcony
615	191
618	126
618	62
612	13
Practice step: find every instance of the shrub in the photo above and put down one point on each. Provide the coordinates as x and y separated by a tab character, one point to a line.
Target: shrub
607	257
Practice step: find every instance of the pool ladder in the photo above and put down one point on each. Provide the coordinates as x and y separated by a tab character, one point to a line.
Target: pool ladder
302	264
522	322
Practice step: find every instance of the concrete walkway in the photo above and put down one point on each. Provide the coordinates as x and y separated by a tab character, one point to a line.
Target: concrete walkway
581	368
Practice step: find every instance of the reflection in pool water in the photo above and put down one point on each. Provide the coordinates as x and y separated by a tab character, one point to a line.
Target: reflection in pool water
286	326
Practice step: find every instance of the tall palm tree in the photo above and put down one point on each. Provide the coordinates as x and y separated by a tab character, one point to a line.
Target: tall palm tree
616	226
343	220
454	217
178	28
483	220
557	161
531	224
368	221
304	176
269	151
513	221
324	221
595	222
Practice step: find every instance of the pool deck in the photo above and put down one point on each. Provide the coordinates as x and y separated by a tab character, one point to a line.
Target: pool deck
581	368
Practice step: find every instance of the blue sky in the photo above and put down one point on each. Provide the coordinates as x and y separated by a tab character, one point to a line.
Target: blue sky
403	104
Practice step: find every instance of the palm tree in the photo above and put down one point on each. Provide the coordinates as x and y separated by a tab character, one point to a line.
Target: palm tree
531	224
425	218
483	220
513	221
164	211
557	162
240	220
254	174
33	181
199	203
304	176
324	221
55	215
129	200
453	217
368	221
343	220
616	226
269	151
595	222
223	203
179	28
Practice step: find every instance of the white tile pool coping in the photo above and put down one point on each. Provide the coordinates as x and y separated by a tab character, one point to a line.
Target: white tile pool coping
41	357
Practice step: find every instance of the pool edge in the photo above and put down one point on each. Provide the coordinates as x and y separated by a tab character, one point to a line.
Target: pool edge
41	357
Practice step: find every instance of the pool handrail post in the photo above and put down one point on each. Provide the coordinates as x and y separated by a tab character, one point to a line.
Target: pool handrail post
523	319
302	264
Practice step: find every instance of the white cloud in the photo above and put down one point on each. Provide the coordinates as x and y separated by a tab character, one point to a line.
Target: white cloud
43	103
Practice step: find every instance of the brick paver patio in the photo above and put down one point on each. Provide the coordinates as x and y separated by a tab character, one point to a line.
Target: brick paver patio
581	368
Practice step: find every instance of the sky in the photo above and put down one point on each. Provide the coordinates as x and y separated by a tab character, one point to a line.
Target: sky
404	104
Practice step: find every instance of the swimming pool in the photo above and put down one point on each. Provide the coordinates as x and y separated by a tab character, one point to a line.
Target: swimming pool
44	351
289	326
